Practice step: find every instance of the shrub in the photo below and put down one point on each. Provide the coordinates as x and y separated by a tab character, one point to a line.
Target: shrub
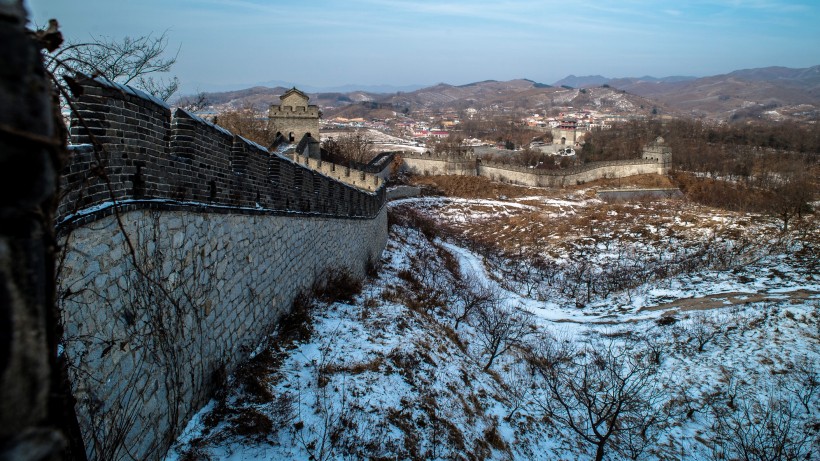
338	285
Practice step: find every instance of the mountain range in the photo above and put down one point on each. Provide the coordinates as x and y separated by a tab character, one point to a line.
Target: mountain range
770	92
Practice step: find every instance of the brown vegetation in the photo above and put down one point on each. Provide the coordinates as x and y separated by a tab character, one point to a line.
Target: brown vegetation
641	181
353	147
738	150
248	123
766	168
472	187
503	129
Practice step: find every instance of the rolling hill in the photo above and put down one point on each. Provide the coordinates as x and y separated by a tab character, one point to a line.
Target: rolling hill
770	92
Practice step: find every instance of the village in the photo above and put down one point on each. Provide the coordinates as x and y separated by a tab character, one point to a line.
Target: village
420	128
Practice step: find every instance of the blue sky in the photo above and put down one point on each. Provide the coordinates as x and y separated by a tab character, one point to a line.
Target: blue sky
405	42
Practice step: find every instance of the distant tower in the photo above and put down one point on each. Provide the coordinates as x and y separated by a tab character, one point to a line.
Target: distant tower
659	152
566	132
294	117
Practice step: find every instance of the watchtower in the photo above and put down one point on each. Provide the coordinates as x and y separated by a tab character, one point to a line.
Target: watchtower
566	133
658	151
294	117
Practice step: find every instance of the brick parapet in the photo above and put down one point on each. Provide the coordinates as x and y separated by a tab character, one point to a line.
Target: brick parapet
139	152
352	176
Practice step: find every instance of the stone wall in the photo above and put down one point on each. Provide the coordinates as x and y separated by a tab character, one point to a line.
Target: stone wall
403	191
570	176
183	245
656	160
146	333
428	163
148	156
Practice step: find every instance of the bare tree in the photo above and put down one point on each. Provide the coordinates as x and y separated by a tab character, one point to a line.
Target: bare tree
603	393
518	387
350	147
804	382
501	327
451	145
470	295
703	330
130	61
194	102
792	190
248	123
760	429
331	410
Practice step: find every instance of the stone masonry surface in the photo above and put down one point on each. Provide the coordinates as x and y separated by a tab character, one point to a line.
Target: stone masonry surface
142	362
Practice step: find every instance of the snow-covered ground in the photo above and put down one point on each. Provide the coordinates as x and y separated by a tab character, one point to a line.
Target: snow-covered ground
722	310
383	142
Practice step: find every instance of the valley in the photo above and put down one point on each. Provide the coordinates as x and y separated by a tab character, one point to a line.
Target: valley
709	317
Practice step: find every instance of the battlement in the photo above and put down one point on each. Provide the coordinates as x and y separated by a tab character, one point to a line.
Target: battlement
140	154
287	111
449	157
356	178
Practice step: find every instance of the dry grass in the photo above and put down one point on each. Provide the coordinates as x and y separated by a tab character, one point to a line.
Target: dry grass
555	227
722	194
337	285
472	187
480	187
549	225
356	368
641	181
251	424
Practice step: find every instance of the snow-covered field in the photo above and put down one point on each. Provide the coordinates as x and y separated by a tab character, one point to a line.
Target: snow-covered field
701	327
383	142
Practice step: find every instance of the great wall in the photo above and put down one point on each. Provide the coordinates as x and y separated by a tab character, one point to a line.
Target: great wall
182	245
655	159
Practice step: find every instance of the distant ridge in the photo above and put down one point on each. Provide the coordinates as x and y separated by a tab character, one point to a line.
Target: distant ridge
582	82
741	94
477	83
194	88
589	81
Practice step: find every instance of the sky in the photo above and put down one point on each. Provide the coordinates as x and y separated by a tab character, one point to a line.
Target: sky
224	44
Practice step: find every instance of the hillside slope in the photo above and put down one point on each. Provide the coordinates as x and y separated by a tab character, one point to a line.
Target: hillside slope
724	339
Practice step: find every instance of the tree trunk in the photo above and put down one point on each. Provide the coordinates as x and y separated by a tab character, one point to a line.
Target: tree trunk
599	452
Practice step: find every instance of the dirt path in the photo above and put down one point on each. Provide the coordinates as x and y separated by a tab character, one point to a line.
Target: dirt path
730	299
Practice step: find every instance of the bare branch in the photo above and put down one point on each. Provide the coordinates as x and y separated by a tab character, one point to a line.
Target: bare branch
131	61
